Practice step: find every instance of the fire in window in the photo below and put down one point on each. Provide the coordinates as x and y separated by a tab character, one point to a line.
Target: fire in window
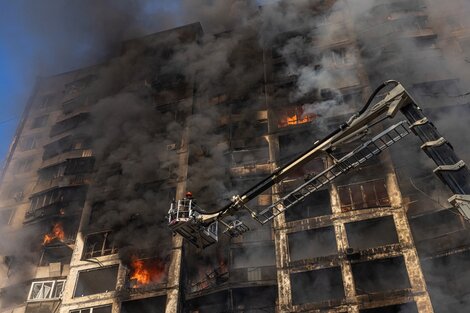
146	272
295	116
46	290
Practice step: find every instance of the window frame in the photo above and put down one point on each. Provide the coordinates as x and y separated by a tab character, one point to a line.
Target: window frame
52	292
91	309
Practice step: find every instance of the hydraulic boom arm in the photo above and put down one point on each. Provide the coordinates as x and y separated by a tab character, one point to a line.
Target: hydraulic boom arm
201	228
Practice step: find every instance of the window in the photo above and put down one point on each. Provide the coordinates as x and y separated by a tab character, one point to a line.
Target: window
70	106
363	195
24	165
99	245
100	309
79	166
57	195
323	285
29	143
68	124
46	290
46	101
96	281
5	217
76	86
40	121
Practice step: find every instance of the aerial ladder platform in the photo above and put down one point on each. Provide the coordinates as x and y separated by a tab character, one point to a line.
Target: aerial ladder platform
201	227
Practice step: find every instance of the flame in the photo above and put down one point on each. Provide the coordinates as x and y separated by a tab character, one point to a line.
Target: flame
56	233
297	118
145	272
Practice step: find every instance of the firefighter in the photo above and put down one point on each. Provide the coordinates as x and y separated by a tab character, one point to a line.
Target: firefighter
187	203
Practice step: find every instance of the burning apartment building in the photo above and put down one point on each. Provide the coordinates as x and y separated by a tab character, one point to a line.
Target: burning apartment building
102	151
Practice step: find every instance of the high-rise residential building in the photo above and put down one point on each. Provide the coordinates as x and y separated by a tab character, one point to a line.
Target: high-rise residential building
101	152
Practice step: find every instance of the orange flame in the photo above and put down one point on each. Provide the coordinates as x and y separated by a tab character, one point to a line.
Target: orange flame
296	118
56	233
146	271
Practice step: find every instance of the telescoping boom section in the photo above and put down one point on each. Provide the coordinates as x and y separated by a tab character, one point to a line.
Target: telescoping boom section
201	227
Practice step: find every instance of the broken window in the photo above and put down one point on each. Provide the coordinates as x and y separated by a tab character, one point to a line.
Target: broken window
29	143
55	253
398	308
46	290
312	243
363	195
371	233
315	204
66	144
254	255
96	281
317	286
382	275
99	244
69	124
98	309
40	121
147	305
57	195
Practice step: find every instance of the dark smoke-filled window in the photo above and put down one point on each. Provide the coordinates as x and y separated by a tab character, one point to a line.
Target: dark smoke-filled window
316	204
79	165
380	275
55	253
68	124
363	195
312	243
99	245
98	309
371	233
317	286
398	308
148	305
253	256
96	281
